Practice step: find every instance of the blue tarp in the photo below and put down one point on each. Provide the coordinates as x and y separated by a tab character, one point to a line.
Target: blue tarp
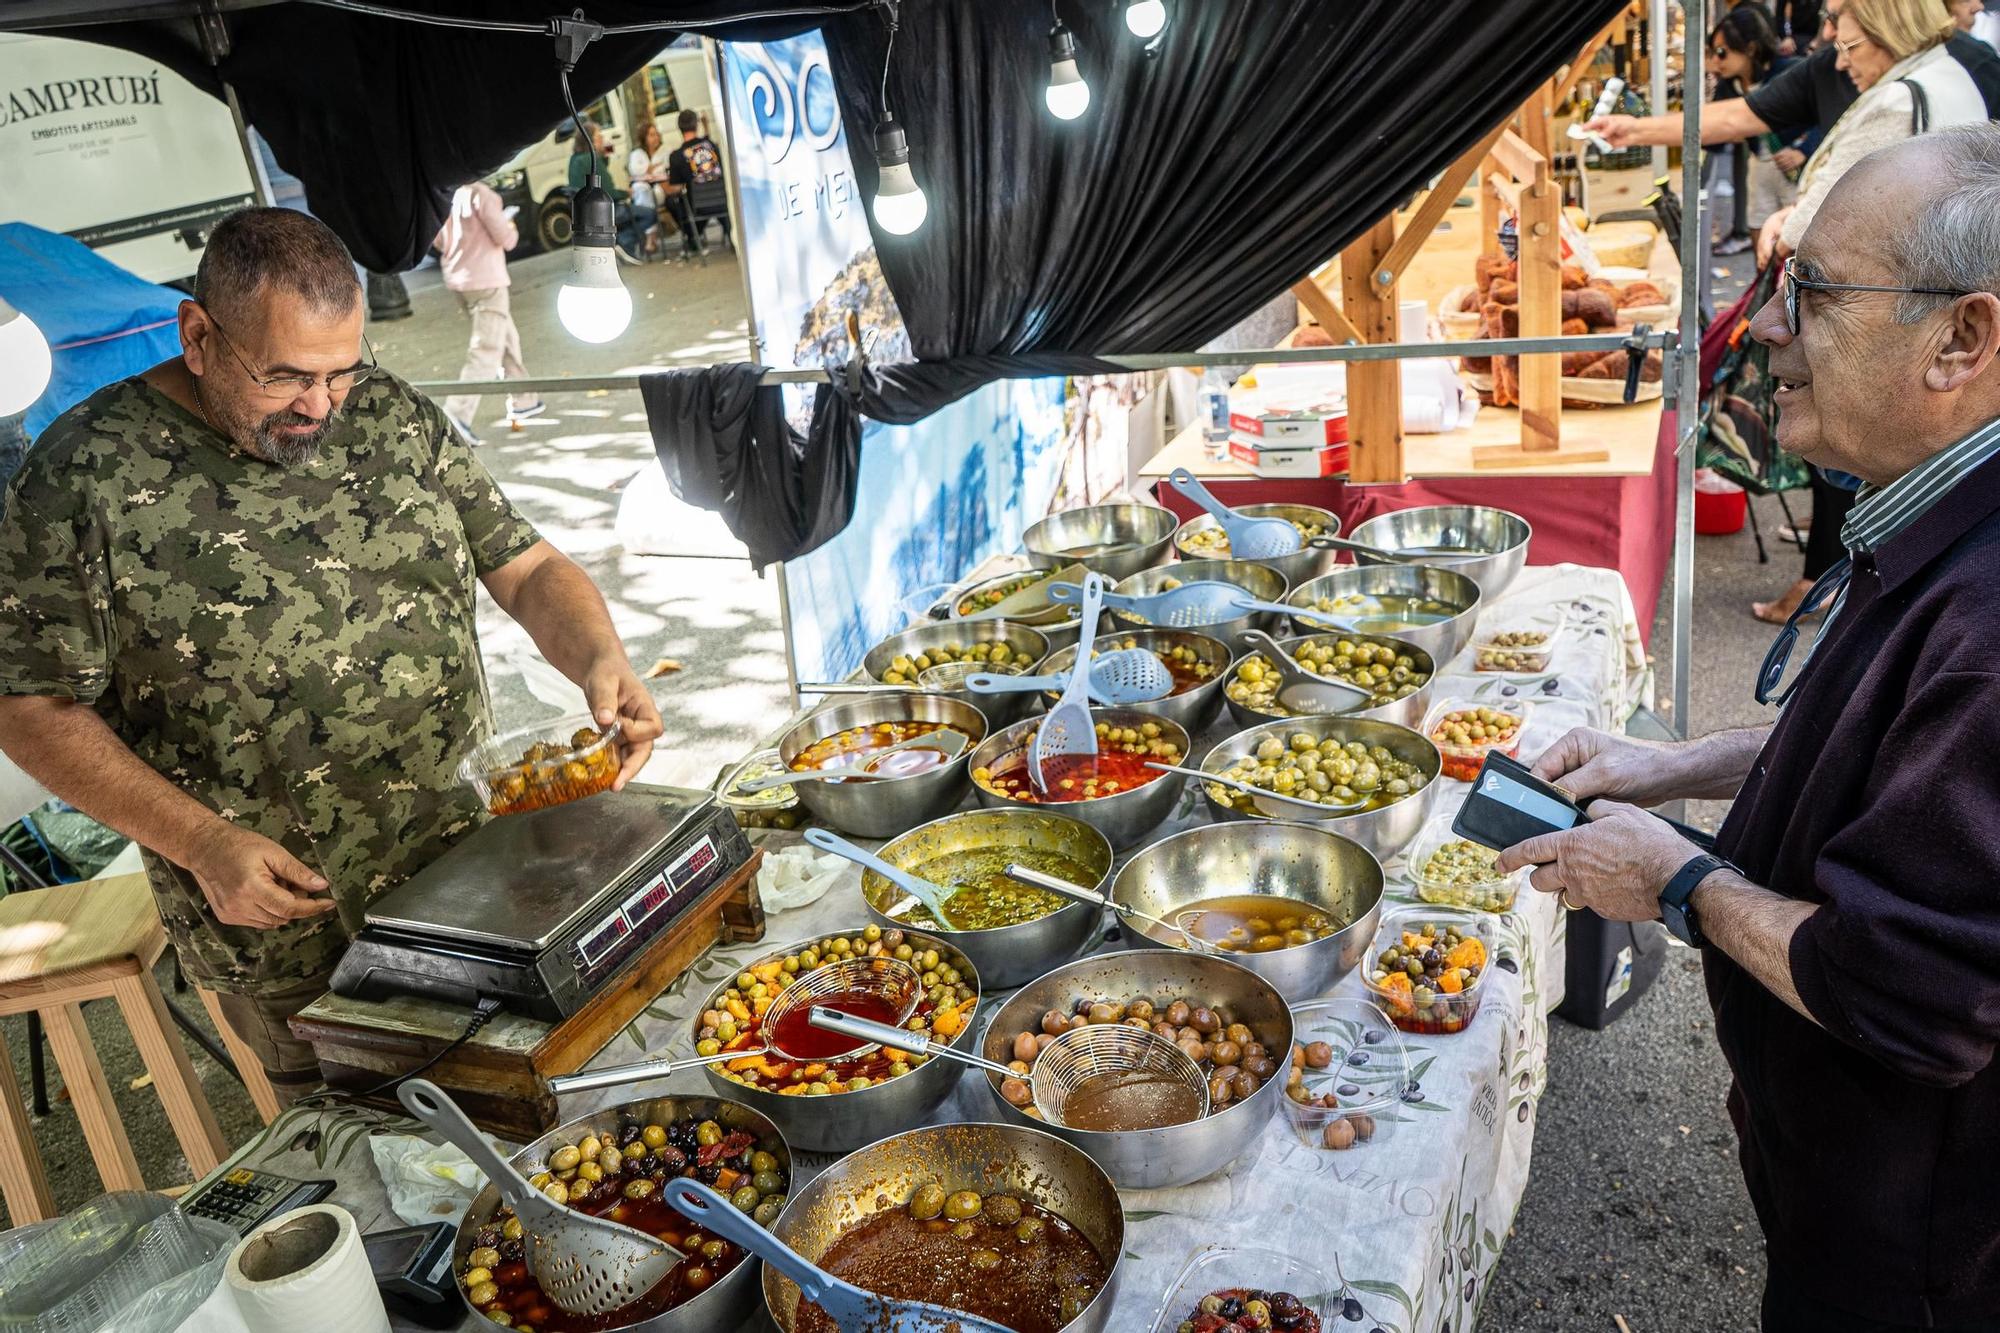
102	323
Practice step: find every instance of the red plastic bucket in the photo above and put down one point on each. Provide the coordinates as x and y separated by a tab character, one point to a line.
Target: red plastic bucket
1719	506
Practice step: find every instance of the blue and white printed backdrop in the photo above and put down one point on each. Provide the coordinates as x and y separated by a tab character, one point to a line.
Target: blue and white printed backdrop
934	498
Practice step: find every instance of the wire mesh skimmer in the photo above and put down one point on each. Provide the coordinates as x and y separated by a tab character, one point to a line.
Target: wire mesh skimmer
892	980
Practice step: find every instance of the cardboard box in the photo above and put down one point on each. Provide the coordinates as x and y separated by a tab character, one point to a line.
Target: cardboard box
1266	461
1314	426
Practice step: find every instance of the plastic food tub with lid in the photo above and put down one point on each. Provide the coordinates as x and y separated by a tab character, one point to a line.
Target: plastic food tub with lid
1366	1071
1419	1007
1220	1268
1462	758
1465	876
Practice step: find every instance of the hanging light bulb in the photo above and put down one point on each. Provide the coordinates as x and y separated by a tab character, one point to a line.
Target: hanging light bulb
1146	17
900	207
24	361
593	305
1067	94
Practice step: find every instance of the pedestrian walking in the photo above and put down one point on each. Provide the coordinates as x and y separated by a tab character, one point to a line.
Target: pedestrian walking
472	247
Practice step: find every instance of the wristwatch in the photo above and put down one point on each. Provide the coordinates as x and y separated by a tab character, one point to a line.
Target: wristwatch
1677	899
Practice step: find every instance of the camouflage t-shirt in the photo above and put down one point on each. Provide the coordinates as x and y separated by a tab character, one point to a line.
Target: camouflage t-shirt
296	648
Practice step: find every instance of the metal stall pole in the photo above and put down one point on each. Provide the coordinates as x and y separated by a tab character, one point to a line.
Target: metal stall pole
1687	383
214	31
1656	68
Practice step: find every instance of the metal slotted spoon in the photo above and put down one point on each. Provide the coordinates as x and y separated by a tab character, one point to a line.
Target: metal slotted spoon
1067	728
850	1307
586	1265
948	741
1402	556
1124	911
943	676
1301	690
1190	606
891	978
1249	538
1271	804
1127	676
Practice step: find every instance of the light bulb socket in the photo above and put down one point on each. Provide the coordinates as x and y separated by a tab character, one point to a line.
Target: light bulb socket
593	217
892	146
1062	44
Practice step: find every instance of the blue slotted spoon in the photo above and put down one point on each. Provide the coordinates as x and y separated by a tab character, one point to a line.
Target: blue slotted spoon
1249	538
850	1306
1242	602
933	896
1128	676
1190	606
1067	728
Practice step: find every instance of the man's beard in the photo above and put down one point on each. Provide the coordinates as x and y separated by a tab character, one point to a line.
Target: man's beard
286	448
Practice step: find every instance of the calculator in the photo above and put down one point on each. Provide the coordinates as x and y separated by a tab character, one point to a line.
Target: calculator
245	1196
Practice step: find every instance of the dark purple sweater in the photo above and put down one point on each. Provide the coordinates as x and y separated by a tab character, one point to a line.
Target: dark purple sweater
1871	1142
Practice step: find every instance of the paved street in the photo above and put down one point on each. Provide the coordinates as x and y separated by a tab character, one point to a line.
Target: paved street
1635	1206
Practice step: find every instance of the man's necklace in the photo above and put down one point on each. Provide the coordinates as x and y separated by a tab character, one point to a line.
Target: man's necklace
194	386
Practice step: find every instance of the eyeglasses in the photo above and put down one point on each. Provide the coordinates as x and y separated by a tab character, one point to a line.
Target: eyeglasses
1825	588
1790	284
289	387
1845	47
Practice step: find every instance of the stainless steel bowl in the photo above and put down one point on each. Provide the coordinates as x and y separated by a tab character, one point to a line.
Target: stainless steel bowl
1443	641
1296	861
1195	708
723	1305
840	1121
1408	711
1385	831
1149	529
884	807
1261	581
1305	563
1178	1154
1058	623
1124	818
1006	956
1012	1159
999	709
1497	538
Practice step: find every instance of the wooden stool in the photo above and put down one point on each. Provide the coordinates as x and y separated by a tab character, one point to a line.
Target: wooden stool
248	1067
58	948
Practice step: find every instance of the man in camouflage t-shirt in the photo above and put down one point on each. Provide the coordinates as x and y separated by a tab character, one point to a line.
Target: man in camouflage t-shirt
237	623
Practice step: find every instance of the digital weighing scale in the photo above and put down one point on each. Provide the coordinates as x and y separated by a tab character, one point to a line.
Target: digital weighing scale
543	910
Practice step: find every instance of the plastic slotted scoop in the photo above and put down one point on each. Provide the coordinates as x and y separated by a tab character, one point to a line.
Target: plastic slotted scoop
890	978
931	895
1067	729
1305	691
850	1307
1249	538
586	1265
1127	676
1190	606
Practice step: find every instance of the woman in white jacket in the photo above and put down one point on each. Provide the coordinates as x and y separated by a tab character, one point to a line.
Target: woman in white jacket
1894	52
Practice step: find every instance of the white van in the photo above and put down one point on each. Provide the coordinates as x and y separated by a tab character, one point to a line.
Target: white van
117	151
537	178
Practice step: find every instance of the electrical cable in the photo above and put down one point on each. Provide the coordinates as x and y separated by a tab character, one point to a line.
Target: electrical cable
889	9
481	1016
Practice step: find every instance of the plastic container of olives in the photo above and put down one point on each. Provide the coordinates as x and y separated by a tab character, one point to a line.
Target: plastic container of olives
549	764
1522	644
774	807
1423	1008
1463	876
1355	1055
1463	758
1215	1268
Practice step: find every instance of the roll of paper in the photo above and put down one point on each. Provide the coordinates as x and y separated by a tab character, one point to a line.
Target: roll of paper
306	1270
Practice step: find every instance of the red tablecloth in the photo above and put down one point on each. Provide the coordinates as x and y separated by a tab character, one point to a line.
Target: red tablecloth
1621	523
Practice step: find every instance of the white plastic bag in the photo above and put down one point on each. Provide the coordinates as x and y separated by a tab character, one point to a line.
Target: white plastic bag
427	1182
796	877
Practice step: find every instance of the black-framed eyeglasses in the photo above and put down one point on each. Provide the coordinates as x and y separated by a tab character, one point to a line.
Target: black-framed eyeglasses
1790	284
1825	588
293	386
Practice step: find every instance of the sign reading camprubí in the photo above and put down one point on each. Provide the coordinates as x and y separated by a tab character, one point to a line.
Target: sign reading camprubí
107	92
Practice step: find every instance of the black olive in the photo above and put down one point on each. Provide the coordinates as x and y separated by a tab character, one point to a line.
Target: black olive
486	1238
1349	1090
1350	1309
709	1174
1284	1305
513	1251
628	1132
1232	1306
1373	1035
670	1157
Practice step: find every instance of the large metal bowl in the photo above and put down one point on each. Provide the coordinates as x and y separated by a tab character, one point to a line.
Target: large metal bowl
1178	1154
1006	956
1305	563
1000	709
840	1121
1124	818
723	1305
1295	861
884	807
1385	831
1014	1159
1408	711
1443	641
1194	709
1261	581
1148	528
1496	538
1057	622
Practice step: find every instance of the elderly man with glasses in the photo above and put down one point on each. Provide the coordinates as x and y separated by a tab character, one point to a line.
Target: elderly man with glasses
238	623
1850	921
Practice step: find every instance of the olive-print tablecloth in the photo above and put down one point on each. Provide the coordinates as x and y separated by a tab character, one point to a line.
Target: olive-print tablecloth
1407	1227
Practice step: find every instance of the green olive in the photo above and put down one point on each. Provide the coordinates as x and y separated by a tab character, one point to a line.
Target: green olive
763	1161
767	1211
1031	1231
767	1182
484	1257
708	1134
745	1198
565	1158
962	1205
927	1202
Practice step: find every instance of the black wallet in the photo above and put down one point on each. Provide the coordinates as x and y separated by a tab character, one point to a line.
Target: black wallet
1508	804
